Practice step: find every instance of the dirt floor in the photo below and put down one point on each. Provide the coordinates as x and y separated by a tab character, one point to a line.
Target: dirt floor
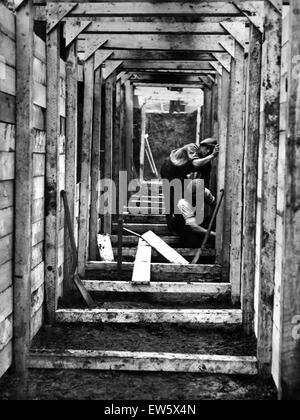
105	385
95	385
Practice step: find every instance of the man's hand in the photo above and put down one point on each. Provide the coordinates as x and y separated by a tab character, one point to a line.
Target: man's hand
216	150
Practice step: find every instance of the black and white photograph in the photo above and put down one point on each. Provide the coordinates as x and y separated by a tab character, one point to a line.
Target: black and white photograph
149	203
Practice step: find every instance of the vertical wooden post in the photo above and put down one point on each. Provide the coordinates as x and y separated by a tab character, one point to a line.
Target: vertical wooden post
215	132
84	205
251	175
109	124
223	129
234	177
290	288
23	184
52	193
271	61
198	126
129	128
143	142
207	113
71	156
117	144
95	165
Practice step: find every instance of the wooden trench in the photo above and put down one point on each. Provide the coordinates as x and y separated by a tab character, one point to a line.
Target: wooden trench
77	66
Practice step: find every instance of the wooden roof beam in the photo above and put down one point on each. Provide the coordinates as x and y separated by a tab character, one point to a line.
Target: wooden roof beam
166	65
208	43
134	55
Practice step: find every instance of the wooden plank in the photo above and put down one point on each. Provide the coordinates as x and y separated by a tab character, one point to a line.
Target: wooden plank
142	362
6	275
85	163
36	322
105	248
6	221
6	249
142	266
205	289
136	65
159	42
251	175
126	26
6	303
39	71
159	229
7	137
95	165
159	271
155	9
7	21
236	142
38	165
70	156
37	277
7	108
177	316
23	185
289	387
159	55
39	48
8	50
184	252
6	358
7	79
270	141
6	194
7	166
164	249
52	172
6	331
37	255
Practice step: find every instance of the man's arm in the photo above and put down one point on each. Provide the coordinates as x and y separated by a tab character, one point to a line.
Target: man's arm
198	163
200	230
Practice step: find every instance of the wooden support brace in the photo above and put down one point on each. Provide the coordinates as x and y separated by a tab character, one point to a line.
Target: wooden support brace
55	12
254	10
217	66
73	29
110	67
237	31
92	45
228	46
224	59
100	57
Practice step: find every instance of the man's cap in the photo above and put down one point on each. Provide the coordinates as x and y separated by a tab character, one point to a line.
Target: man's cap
210	142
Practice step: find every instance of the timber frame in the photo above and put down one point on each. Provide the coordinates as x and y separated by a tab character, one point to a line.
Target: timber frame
228	50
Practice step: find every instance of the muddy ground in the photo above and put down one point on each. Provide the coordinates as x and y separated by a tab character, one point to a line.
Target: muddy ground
113	385
97	385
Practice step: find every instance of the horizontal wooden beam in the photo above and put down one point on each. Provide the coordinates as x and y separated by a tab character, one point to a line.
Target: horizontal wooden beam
165	65
159	272
128	316
117	54
167	78
208	43
156	9
154	28
168	85
207	289
140	361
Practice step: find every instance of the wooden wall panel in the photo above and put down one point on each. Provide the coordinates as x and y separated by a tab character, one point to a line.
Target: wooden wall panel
7	176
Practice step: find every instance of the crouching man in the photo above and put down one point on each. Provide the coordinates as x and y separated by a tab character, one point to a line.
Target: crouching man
185	223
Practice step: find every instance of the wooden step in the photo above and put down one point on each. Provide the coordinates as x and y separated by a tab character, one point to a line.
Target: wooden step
159	272
206	289
129	252
160	229
144	219
142	361
133	316
153	210
130	240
